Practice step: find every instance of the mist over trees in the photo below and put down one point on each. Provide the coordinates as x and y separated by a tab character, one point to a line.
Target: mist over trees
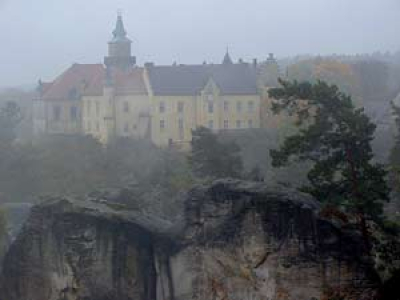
366	80
211	158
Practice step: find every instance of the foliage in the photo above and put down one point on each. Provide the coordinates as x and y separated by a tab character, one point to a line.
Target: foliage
394	157
10	117
129	160
364	79
172	171
212	158
255	174
338	142
391	227
3	232
78	165
372	79
329	70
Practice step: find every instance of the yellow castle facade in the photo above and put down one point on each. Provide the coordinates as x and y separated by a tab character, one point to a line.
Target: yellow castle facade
162	103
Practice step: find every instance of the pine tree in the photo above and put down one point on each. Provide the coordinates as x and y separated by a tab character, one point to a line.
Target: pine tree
394	158
336	136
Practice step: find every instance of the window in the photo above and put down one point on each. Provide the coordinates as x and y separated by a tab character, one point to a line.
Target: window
250	123
97	108
181	107
56	113
211	124
162	125
238	106
180	124
88	107
126	128
226	106
162	107
73	113
97	126
210	107
126	106
181	129
226	124
238	124
251	106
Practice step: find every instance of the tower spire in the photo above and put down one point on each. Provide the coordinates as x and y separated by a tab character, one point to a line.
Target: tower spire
227	58
119	48
119	33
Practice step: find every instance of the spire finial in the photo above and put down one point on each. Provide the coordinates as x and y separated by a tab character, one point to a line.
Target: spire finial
227	58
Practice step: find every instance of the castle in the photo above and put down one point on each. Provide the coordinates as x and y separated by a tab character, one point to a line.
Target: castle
162	103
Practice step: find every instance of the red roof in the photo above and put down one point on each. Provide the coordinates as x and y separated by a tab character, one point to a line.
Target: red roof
129	82
79	79
88	80
46	86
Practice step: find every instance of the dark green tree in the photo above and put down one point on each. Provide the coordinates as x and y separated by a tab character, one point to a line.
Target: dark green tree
211	158
336	136
394	158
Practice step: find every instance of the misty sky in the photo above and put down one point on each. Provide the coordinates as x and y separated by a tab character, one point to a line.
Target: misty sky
40	38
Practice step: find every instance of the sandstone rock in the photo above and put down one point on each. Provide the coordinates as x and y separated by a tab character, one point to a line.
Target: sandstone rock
238	240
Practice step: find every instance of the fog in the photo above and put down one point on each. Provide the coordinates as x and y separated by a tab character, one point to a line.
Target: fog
234	150
41	38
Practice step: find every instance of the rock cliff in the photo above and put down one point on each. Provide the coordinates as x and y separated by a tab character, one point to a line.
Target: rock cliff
236	240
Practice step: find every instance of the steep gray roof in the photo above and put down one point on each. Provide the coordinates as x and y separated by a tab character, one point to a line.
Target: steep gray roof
235	79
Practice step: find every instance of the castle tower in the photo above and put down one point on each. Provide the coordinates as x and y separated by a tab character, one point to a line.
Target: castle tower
119	48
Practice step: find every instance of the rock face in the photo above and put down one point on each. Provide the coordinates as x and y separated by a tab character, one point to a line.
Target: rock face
237	240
